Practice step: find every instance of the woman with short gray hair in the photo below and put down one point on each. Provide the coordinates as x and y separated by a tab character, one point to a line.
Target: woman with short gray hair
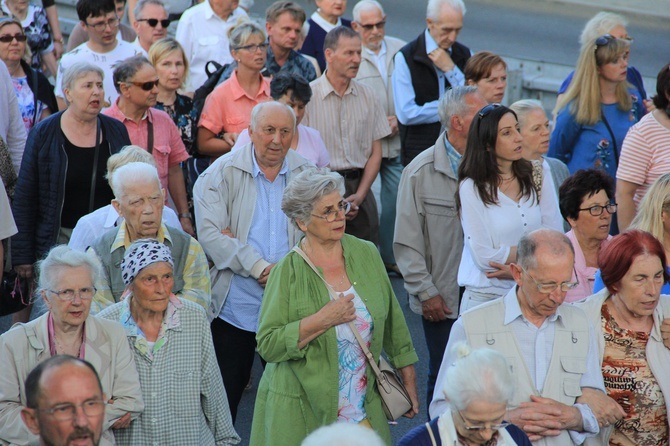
62	175
317	373
67	285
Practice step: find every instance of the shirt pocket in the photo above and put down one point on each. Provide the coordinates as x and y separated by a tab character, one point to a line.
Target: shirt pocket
437	207
161	155
573	369
185	393
209	44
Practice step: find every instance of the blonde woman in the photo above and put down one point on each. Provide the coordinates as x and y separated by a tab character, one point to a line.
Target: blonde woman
597	109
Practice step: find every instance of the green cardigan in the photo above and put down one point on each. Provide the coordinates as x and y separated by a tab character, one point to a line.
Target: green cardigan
299	388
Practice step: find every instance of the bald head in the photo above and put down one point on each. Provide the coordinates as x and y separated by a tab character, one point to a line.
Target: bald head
543	241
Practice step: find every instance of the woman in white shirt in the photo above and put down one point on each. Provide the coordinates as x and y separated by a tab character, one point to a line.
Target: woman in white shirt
499	201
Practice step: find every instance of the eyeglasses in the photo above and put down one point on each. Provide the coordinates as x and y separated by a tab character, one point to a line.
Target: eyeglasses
488	109
153	22
331	215
548	288
378	25
67	412
69	294
482	427
99	27
598	210
7	38
253	47
146	86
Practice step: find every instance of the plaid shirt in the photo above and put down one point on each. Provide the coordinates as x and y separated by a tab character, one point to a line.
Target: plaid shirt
185	401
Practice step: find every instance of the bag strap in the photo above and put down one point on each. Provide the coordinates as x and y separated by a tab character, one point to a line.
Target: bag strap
430	433
94	176
333	296
150	133
616	149
34	87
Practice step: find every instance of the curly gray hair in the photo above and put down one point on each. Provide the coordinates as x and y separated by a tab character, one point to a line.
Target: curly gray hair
305	189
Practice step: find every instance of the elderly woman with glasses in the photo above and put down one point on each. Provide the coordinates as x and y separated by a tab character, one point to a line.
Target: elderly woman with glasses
66	284
500	200
627	317
227	110
478	386
585	199
317	372
171	341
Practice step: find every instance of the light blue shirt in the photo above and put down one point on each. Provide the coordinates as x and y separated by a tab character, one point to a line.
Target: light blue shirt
268	235
453	155
406	108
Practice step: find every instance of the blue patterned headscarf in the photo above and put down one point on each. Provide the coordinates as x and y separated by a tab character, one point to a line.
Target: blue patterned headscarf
141	254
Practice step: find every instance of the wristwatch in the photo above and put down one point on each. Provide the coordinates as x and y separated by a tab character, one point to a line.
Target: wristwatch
185	215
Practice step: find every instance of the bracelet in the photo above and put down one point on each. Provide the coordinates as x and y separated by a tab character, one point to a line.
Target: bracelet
185	215
61	41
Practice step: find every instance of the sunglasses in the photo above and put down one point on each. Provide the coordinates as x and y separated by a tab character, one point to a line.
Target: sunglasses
378	25
604	40
488	109
153	22
146	86
7	38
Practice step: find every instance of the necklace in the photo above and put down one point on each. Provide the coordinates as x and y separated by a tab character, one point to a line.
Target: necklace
62	350
504	180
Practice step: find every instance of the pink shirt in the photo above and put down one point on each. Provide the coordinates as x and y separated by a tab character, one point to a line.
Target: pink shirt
585	274
168	150
228	107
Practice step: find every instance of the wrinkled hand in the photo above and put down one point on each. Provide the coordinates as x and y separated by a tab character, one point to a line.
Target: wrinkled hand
355	201
338	311
227	232
263	278
606	410
408	375
187	226
58	49
435	309
544	417
122	422
24	271
665	332
230	138
393	123
441	59
503	271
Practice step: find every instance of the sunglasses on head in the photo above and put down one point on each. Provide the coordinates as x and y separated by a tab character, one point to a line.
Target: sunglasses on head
153	22
604	40
7	38
146	86
488	109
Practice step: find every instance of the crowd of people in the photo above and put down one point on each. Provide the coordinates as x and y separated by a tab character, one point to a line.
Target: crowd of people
176	218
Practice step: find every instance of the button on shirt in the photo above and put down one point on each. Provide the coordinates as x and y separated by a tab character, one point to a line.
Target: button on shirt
267	235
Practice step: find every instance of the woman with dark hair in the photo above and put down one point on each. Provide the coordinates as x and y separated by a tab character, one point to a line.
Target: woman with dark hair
293	90
487	72
499	202
585	200
645	154
627	316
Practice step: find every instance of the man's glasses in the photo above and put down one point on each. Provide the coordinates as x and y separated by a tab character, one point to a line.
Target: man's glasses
100	27
7	38
67	412
482	427
69	294
488	109
331	215
378	25
598	210
153	22
253	47
146	86
548	288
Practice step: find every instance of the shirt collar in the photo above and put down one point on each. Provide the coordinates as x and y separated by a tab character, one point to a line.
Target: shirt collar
323	23
256	169
120	240
112	218
452	154
126	118
382	51
328	87
239	92
513	309
431	44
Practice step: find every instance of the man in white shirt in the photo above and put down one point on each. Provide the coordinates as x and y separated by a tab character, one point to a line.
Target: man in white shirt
203	33
151	23
99	19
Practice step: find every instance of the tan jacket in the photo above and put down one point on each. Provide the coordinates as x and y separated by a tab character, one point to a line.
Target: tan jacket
368	74
106	348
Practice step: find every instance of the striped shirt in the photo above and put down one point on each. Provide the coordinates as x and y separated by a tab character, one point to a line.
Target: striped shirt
348	124
645	154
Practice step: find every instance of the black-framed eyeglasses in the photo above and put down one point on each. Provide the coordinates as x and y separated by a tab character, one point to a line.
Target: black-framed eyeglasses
331	215
68	295
7	38
482	427
598	210
253	47
68	411
154	22
548	288
488	109
146	86
378	25
99	27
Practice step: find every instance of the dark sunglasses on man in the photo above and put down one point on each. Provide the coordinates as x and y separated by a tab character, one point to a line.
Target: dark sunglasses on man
146	86
153	22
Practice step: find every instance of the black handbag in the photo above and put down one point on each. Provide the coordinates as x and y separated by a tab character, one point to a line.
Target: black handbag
15	293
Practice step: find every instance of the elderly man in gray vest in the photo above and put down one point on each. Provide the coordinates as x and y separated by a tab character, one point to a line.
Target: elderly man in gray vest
139	200
244	232
534	331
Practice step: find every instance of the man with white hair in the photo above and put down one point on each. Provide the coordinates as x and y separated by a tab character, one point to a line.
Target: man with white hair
139	200
151	24
375	71
424	69
244	232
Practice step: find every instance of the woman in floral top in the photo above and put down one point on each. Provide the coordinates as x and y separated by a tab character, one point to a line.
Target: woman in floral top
635	363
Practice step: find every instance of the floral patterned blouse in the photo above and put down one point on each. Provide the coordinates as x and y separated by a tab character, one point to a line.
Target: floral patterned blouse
36	27
184	116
